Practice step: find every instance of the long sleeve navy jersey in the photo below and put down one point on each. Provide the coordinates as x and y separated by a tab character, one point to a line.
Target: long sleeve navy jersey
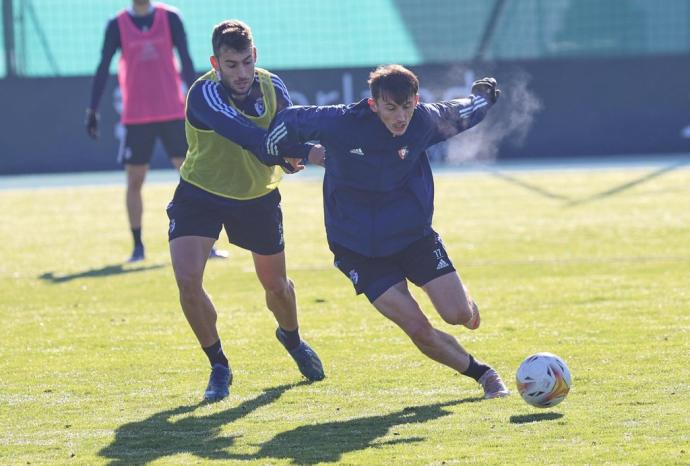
208	108
378	189
111	43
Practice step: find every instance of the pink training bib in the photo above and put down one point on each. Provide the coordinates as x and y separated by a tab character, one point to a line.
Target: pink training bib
149	80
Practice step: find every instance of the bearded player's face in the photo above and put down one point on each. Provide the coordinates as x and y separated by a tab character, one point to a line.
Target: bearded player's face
235	69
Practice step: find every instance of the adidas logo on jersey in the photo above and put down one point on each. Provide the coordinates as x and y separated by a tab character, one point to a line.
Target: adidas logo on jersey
357	151
442	264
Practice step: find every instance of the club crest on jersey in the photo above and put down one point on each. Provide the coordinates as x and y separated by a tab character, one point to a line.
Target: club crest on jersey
259	106
402	152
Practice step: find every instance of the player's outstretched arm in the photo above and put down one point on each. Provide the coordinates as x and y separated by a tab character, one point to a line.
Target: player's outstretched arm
207	110
295	126
451	117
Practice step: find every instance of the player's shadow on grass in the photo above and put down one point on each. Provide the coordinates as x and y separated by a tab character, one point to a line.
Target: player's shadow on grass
107	271
537	417
327	442
160	435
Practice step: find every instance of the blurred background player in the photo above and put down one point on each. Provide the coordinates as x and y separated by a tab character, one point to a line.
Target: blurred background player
222	184
379	201
152	96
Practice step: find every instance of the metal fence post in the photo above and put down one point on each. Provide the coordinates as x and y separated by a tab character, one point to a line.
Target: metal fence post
8	36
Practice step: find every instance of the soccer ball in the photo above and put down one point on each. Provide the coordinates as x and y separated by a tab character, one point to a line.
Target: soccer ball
543	380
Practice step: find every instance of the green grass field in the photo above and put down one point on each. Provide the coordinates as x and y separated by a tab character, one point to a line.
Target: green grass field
98	366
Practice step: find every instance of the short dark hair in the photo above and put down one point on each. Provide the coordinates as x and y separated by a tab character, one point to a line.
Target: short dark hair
393	82
233	34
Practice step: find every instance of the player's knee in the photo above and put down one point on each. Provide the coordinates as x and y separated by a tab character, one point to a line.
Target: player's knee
279	286
189	285
135	184
459	314
135	187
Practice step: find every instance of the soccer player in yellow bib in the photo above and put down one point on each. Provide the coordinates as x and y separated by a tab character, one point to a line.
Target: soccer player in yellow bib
223	184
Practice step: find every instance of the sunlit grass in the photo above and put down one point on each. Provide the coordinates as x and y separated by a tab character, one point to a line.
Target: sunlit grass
97	364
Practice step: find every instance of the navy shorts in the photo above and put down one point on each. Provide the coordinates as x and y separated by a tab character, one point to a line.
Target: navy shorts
254	224
420	262
138	142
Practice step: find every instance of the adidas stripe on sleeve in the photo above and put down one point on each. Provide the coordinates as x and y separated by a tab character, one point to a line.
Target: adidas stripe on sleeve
454	116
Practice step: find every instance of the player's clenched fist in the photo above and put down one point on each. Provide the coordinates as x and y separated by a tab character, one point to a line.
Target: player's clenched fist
487	87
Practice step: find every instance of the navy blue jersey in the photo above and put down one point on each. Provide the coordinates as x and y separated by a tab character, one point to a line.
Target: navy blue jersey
208	109
111	43
378	189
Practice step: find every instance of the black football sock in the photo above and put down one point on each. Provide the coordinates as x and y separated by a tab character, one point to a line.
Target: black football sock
292	339
136	234
476	369
215	354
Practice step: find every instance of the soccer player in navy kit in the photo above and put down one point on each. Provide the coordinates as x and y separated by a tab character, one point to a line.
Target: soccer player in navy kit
378	196
223	185
152	97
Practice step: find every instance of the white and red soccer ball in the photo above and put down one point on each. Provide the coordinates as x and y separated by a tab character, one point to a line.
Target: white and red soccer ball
543	380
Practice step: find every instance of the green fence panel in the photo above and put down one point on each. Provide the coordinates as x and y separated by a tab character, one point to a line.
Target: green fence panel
64	37
588	28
